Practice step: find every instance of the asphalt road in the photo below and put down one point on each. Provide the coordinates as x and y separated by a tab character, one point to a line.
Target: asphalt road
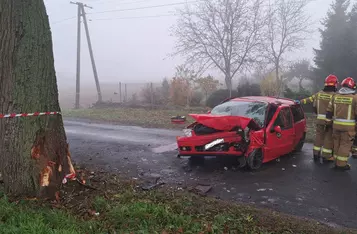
294	185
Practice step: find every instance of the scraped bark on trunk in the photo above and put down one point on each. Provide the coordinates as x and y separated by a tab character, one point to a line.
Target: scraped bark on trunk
33	150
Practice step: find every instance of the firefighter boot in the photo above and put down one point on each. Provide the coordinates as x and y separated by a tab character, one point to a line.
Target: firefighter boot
354	151
316	157
343	168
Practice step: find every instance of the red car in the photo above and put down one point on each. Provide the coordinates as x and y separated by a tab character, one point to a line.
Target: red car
255	130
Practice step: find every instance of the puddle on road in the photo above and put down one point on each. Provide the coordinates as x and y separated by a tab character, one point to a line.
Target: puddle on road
165	148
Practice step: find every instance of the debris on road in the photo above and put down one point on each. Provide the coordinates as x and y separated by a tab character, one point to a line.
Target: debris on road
283	169
151	186
264	189
201	189
294	165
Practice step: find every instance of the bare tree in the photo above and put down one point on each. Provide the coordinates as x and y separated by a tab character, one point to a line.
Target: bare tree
300	70
190	76
288	27
221	33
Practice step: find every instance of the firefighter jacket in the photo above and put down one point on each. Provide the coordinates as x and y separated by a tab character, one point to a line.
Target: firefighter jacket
320	104
342	110
308	100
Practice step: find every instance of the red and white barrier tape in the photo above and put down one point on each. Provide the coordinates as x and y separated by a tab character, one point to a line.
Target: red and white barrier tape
71	176
28	114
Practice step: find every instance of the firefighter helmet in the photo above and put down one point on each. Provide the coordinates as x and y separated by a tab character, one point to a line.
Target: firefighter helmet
331	80
349	83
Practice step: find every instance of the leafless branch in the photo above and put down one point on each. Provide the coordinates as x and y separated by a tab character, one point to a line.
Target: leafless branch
288	28
225	34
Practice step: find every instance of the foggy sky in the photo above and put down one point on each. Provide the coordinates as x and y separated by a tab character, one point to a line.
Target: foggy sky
129	50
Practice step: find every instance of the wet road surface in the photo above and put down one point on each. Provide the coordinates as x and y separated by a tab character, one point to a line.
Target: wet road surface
294	185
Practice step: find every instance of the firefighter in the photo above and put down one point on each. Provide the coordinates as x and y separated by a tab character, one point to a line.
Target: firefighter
323	140
342	114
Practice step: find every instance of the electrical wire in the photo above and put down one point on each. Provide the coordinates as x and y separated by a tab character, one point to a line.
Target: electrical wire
60	21
136	17
139	8
147	7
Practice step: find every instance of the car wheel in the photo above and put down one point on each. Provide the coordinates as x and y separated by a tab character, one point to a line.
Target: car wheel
255	159
300	145
241	162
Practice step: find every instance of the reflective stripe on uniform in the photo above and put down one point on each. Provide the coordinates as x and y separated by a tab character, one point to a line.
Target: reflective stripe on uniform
345	159
345	122
328	151
317	148
320	116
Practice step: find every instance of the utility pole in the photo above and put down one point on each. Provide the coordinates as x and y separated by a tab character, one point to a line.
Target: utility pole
81	12
78	73
91	54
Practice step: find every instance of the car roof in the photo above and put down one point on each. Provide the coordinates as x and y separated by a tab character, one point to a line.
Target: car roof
267	99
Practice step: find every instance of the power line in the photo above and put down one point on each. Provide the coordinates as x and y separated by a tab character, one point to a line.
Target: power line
147	7
60	21
136	17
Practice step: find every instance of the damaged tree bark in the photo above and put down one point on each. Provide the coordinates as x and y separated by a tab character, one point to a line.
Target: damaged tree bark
33	150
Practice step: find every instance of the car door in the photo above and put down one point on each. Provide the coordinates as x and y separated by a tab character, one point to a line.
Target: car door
279	144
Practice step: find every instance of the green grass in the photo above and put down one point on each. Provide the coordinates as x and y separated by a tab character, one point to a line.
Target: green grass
131	211
31	219
151	118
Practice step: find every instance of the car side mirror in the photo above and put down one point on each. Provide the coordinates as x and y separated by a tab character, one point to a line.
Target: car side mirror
277	129
209	112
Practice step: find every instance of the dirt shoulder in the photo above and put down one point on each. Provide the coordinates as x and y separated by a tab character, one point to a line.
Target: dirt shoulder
149	118
99	202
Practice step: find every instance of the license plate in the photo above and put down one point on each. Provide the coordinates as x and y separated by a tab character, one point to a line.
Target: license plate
213	143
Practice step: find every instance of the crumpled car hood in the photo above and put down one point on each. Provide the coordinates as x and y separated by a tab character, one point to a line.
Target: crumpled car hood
225	123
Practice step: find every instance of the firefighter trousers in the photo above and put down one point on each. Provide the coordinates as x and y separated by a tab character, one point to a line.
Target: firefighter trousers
323	141
342	143
354	147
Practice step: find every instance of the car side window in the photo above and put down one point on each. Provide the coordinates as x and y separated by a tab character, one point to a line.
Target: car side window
284	119
271	111
298	113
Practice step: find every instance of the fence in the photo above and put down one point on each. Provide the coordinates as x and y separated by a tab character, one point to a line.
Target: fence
111	92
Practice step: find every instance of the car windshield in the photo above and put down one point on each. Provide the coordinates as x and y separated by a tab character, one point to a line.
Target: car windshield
253	110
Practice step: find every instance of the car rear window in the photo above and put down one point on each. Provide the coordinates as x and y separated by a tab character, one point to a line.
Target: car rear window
298	113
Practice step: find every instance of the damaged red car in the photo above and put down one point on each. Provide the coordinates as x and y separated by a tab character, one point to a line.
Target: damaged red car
254	130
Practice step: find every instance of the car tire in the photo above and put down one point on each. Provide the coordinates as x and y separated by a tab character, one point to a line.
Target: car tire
241	162
300	145
255	159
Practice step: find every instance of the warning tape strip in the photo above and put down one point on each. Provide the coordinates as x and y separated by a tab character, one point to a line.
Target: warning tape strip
28	114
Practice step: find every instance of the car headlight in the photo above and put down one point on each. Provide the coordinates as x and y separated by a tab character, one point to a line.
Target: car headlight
187	132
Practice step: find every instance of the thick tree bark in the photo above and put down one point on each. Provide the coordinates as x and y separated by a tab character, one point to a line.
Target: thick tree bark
33	151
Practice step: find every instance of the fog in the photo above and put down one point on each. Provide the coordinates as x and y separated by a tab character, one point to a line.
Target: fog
130	45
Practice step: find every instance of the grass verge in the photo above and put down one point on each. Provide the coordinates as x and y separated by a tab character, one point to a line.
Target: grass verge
150	118
116	206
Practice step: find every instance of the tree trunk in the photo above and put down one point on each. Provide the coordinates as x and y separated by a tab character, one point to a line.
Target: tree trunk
278	81
33	150
228	81
300	84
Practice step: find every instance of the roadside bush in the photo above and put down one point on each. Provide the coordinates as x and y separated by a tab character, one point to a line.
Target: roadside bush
299	95
247	89
219	96
196	98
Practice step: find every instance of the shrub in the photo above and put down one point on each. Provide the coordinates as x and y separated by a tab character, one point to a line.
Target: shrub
219	96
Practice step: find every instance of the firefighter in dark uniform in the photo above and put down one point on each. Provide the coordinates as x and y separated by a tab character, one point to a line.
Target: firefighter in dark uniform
323	145
342	114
